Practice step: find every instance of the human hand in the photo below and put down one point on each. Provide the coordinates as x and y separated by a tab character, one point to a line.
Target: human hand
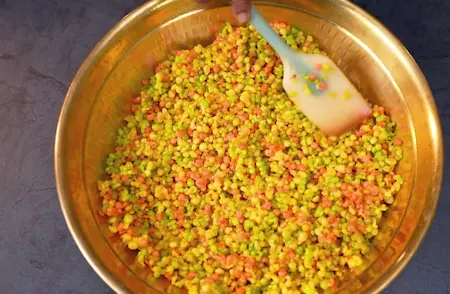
241	8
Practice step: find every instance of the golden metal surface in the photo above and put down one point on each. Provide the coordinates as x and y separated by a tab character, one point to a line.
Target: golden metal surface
370	55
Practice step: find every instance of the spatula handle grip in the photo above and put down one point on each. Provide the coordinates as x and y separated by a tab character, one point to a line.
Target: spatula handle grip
269	34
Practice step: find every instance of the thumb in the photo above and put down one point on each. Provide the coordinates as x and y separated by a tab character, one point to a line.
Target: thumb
241	9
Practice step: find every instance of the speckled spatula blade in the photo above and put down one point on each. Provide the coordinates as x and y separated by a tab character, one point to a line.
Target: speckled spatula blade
336	109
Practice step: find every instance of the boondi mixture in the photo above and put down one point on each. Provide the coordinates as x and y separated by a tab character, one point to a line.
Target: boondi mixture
222	185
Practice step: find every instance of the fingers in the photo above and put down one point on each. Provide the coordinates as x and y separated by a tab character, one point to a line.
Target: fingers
241	9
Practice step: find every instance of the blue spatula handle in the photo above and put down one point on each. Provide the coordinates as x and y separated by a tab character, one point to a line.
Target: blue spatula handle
283	50
270	35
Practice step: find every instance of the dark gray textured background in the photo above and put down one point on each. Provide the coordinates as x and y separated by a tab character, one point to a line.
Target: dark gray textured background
43	42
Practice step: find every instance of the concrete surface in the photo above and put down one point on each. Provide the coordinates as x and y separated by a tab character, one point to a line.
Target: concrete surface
43	42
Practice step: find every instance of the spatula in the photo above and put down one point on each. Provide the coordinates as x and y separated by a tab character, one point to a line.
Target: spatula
316	85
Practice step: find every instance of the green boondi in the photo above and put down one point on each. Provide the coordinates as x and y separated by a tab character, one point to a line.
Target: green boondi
222	185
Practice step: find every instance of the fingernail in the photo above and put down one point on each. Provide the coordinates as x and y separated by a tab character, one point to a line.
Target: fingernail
242	16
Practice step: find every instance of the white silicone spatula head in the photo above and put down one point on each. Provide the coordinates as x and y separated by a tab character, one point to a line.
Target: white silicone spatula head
317	86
